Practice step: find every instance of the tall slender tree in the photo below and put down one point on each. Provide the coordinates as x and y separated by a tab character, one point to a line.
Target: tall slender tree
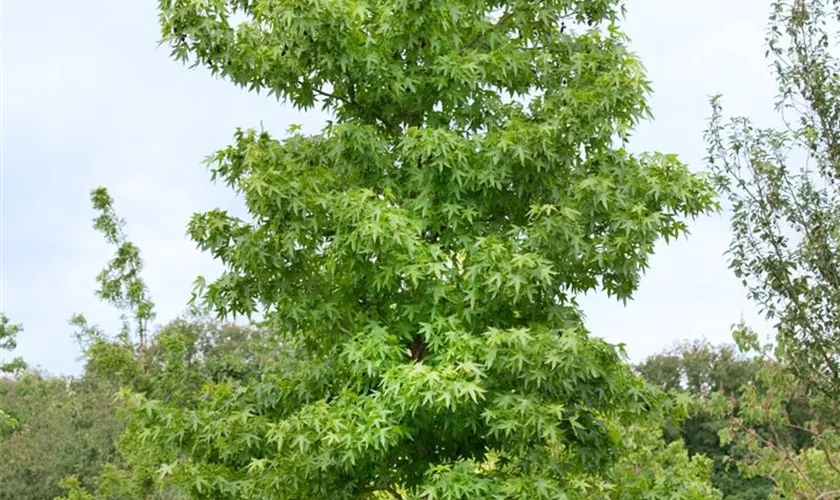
783	188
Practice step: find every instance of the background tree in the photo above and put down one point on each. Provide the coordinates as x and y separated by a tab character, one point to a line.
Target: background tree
65	427
54	427
420	255
780	429
783	187
701	370
8	341
170	364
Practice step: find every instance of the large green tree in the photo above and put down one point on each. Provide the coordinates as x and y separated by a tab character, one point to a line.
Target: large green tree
421	254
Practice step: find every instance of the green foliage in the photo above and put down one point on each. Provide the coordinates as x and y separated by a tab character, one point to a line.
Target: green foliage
652	468
120	283
8	342
188	358
188	353
171	364
782	429
64	427
420	256
782	185
50	427
181	358
699	370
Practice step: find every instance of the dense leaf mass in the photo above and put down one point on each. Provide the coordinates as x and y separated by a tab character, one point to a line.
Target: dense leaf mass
421	254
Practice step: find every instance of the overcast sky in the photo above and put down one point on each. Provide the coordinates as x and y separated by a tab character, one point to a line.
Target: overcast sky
89	99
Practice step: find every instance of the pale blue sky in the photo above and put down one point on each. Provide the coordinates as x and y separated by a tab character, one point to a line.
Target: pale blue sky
89	99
